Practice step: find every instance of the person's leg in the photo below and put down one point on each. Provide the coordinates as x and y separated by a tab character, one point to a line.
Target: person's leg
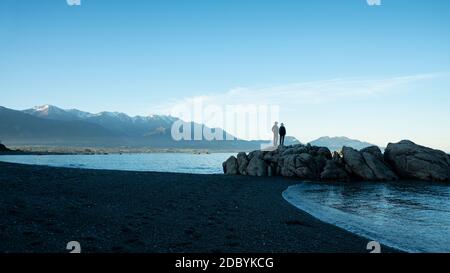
282	140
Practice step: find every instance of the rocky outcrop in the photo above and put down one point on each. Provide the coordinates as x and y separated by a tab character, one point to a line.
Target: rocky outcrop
334	171
356	164
257	166
367	164
401	160
230	166
300	165
242	162
412	161
374	159
307	162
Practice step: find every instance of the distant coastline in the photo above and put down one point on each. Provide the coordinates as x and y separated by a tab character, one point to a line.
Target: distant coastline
55	150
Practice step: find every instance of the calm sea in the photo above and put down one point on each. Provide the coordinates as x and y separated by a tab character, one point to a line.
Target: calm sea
160	162
411	216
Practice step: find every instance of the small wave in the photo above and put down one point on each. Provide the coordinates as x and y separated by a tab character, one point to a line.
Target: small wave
392	224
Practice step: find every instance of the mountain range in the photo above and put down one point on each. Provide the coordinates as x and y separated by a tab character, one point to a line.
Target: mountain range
336	143
49	125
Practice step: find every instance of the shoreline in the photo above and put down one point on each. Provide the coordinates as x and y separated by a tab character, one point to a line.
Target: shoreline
22	152
43	208
358	232
44	150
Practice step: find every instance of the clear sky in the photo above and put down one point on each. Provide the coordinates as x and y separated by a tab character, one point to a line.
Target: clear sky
336	67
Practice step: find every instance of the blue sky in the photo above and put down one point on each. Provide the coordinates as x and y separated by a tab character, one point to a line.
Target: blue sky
140	57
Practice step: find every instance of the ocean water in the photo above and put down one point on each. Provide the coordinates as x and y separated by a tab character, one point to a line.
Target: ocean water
160	162
411	216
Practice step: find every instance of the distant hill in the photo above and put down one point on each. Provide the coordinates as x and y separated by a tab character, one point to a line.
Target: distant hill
290	140
336	143
3	148
55	113
120	123
52	126
18	126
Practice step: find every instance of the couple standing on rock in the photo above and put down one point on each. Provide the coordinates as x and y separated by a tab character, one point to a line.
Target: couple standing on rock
281	131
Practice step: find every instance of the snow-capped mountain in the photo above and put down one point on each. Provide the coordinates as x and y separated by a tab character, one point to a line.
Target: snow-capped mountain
21	127
78	114
52	126
49	125
51	112
115	121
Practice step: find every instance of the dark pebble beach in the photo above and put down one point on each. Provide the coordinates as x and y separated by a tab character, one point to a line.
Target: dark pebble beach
43	208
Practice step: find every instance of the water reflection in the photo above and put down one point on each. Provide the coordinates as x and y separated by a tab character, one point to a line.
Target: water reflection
413	215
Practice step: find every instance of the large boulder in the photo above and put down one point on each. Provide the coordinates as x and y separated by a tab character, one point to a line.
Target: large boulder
272	157
257	166
299	165
413	161
230	166
289	151
355	162
324	152
373	150
242	162
374	159
287	165
367	164
334	171
257	153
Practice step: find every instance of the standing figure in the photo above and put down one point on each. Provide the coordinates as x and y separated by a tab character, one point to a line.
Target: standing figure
282	134
275	134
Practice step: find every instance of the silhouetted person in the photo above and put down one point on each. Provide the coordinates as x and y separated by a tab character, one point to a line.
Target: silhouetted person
275	134
282	134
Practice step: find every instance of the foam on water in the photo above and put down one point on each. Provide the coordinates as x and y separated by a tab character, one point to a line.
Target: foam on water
411	216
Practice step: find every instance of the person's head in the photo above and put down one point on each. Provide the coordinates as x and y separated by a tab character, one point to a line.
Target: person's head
282	124
276	122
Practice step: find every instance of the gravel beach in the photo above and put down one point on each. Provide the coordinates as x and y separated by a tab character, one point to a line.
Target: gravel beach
42	208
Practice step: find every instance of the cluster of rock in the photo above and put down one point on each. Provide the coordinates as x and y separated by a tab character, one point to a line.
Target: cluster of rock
403	160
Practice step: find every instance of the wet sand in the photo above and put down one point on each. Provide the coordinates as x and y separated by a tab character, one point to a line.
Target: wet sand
43	208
